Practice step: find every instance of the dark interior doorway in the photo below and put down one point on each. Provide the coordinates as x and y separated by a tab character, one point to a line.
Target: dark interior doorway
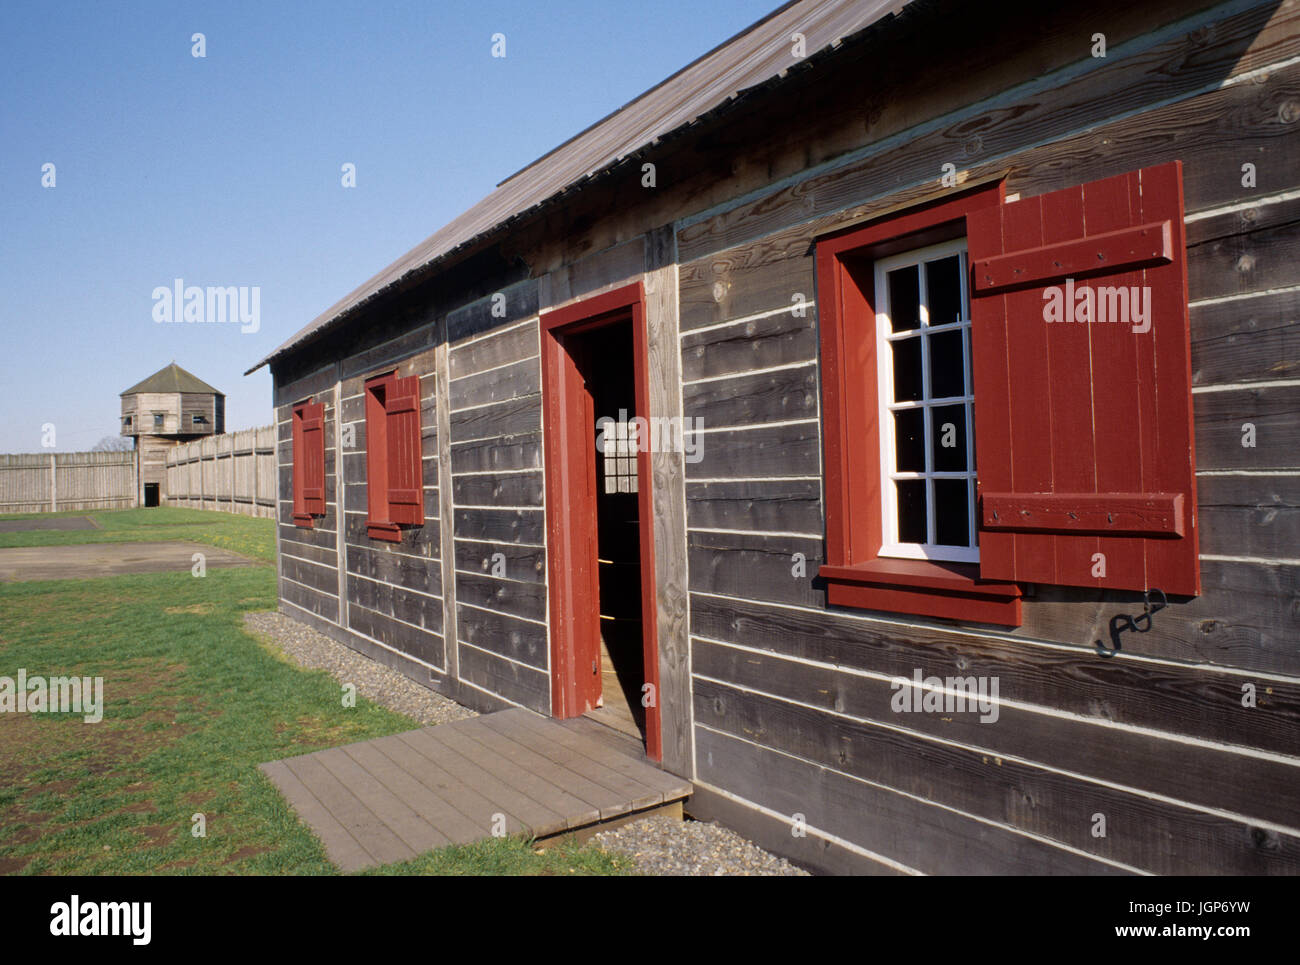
605	360
151	494
600	540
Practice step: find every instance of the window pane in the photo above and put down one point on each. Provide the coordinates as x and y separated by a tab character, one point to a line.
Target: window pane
909	440
907	369
948	438
904	299
943	289
911	510
951	519
947	369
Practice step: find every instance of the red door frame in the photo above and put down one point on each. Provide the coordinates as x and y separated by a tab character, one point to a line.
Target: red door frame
570	467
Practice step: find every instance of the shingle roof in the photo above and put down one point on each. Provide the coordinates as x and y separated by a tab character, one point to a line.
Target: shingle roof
760	53
172	378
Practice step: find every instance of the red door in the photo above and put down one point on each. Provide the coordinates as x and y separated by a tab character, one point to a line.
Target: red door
571	510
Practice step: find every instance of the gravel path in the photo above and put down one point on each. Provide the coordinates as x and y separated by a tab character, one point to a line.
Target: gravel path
665	846
657	845
396	691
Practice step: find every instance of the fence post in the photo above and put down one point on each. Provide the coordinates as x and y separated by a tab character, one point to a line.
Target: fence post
54	485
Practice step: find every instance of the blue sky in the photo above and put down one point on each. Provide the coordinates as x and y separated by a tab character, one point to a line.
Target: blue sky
225	170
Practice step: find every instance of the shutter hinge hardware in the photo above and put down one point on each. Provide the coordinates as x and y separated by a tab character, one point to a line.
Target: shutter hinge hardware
1122	622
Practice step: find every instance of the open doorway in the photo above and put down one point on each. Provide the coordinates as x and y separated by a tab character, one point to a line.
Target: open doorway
598	505
151	494
607	355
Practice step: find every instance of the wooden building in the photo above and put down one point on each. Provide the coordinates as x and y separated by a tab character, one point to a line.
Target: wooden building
964	340
168	408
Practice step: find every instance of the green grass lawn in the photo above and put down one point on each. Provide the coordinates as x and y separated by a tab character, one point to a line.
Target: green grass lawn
192	704
251	537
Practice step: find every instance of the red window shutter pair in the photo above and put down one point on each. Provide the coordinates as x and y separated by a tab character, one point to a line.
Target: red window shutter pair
1084	432
308	462
394	466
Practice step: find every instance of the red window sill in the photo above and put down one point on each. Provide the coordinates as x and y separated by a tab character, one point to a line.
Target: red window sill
303	520
382	529
924	588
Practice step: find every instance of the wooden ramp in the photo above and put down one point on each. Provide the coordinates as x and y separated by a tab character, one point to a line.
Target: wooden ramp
392	798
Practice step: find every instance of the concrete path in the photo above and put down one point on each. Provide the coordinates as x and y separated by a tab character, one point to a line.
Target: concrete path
88	560
47	522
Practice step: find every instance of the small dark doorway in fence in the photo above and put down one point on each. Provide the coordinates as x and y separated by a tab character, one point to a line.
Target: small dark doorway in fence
151	494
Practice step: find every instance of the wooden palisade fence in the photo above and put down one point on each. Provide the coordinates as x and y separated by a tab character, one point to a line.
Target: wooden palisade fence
234	472
41	482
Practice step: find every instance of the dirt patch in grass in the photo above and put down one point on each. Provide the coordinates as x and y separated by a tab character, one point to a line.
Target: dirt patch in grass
32	831
155	835
197	608
244	853
57	787
196	799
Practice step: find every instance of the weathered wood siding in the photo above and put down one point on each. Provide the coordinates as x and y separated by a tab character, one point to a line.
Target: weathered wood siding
308	558
153	462
792	703
204	406
393	591
60	481
178	410
498	521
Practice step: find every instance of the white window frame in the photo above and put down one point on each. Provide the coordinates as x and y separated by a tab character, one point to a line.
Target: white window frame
886	407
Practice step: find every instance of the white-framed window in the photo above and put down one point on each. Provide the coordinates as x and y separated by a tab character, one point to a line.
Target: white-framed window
927	464
619	447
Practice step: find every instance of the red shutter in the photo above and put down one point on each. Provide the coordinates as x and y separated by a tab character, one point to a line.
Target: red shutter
313	450
405	469
300	515
1084	430
378	523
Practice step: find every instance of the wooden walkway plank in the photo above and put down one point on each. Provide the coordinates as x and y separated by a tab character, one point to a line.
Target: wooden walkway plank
570	811
612	786
416	833
522	813
515	741
435	795
371	833
569	734
633	794
511	772
340	847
